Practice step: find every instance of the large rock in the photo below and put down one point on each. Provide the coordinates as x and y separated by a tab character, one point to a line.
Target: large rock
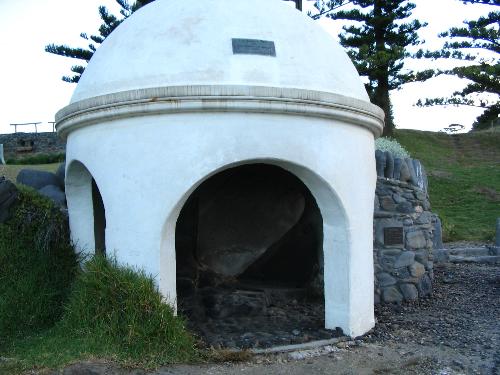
37	179
437	233
421	175
243	214
497	237
380	162
404	173
392	295
8	196
55	194
389	165
398	162
405	259
410	292
60	173
416	240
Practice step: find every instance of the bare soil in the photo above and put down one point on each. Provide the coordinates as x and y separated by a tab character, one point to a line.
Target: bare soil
456	331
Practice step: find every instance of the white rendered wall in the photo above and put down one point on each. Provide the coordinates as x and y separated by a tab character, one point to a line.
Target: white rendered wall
146	167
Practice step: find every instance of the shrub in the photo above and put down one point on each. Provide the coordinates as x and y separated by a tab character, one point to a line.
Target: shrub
38	159
393	146
38	266
122	309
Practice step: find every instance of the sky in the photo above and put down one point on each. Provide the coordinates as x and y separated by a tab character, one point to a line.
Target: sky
32	89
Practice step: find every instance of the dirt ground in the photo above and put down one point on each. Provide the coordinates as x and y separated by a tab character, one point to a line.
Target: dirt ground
457	331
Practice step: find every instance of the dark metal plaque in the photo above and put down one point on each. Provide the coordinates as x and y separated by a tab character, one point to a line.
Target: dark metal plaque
393	236
253	47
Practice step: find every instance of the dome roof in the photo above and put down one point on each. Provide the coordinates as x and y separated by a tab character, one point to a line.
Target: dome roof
219	42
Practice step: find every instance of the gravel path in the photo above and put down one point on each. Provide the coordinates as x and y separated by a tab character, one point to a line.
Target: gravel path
457	331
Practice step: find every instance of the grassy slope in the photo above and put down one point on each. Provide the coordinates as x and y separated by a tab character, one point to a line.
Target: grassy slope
464	179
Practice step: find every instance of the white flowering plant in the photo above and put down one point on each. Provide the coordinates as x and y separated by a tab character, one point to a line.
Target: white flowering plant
393	146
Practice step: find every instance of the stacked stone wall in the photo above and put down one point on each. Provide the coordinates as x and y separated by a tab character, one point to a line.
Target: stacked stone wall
25	144
403	242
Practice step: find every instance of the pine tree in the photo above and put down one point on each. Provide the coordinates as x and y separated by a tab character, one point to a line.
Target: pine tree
378	45
476	44
109	23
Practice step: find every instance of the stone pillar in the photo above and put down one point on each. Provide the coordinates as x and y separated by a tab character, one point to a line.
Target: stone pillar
497	239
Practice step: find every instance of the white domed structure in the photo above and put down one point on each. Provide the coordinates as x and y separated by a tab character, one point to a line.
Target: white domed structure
184	91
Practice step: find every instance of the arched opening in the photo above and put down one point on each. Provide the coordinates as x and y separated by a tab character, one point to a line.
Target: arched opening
88	223
249	259
99	220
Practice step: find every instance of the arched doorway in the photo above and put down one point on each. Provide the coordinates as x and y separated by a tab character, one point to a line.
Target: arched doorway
88	228
249	259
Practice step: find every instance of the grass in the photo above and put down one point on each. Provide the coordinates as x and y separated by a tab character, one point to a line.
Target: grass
38	266
464	179
38	159
53	313
11	171
114	314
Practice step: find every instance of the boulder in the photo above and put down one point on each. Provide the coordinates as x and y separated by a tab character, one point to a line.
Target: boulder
384	279
241	215
416	240
497	236
60	173
422	181
424	286
380	162
389	165
37	179
405	259
404	174
54	193
437	234
8	196
413	173
410	292
398	162
392	295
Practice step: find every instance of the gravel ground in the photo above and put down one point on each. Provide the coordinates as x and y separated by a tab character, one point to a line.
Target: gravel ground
457	331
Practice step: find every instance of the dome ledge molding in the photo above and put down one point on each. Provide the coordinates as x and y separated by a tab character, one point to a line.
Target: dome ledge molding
219	98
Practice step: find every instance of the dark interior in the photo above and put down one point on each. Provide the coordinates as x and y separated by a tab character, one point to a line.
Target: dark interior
99	220
249	240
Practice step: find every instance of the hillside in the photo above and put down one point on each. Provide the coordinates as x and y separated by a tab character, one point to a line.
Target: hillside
464	179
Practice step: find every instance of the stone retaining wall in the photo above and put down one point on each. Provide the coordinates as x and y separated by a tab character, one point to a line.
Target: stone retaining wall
25	144
403	242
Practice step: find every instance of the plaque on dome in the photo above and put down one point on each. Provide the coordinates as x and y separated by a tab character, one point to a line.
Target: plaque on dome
253	47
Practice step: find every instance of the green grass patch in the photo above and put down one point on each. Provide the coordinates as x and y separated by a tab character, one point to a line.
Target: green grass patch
38	159
464	179
114	313
54	312
38	266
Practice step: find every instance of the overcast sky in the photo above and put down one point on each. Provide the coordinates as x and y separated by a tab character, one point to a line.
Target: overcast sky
32	89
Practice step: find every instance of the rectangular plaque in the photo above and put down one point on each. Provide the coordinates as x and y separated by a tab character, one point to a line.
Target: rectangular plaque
253	47
393	236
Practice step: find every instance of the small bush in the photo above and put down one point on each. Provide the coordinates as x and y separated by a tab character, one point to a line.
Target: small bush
123	310
38	266
38	159
393	146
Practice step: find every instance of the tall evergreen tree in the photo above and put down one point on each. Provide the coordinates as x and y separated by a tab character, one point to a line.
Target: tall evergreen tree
476	46
377	43
109	23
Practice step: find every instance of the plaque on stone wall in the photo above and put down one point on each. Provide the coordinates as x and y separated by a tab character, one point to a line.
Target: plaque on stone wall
253	47
393	236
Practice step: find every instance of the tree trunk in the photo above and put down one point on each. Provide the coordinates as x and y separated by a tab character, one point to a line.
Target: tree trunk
381	93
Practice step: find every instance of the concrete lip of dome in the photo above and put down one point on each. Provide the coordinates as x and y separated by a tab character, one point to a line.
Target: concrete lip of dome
179	99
